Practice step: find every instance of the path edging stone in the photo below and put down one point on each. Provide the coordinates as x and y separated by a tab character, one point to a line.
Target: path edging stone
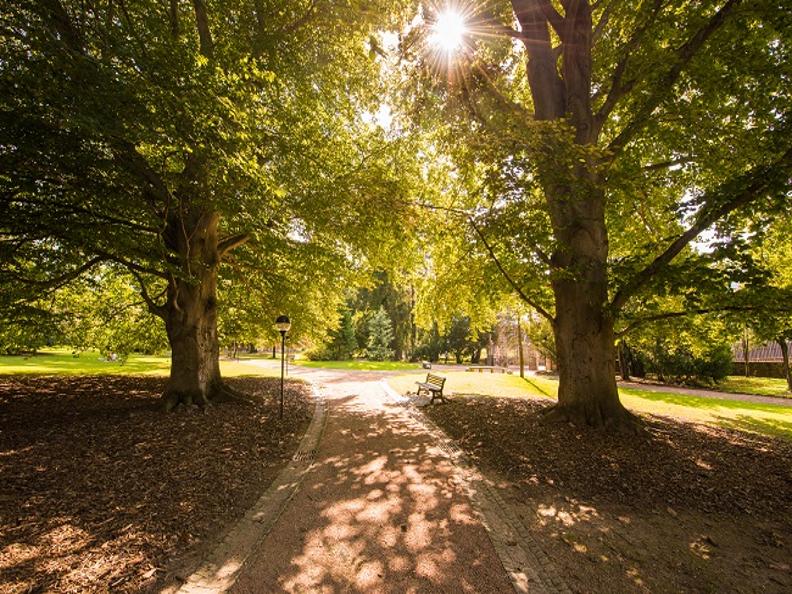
527	565
221	567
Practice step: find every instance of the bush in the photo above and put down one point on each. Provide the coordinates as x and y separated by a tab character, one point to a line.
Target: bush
680	363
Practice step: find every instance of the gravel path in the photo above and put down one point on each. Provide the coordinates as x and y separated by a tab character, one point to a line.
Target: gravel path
707	393
383	510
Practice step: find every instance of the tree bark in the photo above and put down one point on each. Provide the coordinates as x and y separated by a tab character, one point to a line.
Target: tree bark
785	358
520	347
624	360
191	311
584	338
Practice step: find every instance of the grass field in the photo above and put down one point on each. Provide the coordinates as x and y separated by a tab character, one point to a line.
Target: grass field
61	362
769	419
360	365
763	386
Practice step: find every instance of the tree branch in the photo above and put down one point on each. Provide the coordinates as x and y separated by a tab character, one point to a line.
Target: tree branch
666	82
542	311
553	17
690	312
300	21
173	15
667	164
619	89
154	307
57	283
232	242
603	20
202	24
132	266
726	198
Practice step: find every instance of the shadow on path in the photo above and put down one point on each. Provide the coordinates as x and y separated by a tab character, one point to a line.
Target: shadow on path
382	511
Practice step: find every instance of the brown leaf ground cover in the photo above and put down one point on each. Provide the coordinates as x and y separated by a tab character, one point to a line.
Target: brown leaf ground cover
101	491
682	508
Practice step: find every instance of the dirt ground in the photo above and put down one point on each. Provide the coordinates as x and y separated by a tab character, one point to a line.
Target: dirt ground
683	508
100	491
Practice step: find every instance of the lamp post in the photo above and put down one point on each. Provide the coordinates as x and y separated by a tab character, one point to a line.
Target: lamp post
282	324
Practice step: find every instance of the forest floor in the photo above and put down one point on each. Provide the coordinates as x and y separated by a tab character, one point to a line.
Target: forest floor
103	492
683	507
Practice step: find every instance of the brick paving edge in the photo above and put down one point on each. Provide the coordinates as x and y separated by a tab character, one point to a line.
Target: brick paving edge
222	566
529	568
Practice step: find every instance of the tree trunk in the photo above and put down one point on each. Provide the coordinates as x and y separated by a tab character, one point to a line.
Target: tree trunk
520	347
746	353
624	360
475	356
583	324
785	357
587	391
191	311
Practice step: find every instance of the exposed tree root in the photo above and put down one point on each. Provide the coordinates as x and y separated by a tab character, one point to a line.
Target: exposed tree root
224	393
220	392
615	419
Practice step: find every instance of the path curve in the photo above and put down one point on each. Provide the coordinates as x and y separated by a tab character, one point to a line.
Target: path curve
704	393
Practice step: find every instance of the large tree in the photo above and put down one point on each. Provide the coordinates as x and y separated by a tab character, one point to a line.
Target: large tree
170	138
608	152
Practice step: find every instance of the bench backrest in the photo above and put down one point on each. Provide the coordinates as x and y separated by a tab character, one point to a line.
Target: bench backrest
435	380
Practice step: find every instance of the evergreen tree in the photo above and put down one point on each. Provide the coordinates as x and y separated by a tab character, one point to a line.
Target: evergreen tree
380	331
343	344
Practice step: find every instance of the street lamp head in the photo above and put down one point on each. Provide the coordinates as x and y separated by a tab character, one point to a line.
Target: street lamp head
283	324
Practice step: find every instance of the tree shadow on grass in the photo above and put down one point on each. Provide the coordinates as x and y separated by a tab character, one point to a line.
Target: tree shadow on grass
765	426
704	402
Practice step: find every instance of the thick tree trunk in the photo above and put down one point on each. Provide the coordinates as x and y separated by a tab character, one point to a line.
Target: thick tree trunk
191	312
785	357
587	391
583	324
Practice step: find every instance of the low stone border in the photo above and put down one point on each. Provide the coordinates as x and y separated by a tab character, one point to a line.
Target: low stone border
526	563
221	567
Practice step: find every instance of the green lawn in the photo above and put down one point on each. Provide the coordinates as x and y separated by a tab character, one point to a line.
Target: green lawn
763	386
61	362
770	419
360	365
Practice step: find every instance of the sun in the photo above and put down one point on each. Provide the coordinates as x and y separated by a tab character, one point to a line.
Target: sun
448	31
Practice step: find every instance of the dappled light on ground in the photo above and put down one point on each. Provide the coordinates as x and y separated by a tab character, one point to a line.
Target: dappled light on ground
101	491
770	418
383	511
680	508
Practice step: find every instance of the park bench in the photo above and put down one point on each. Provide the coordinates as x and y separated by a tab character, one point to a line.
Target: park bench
433	386
490	368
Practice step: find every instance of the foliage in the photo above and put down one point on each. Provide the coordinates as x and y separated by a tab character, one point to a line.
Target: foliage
27	328
127	134
342	343
698	353
605	161
380	335
540	333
